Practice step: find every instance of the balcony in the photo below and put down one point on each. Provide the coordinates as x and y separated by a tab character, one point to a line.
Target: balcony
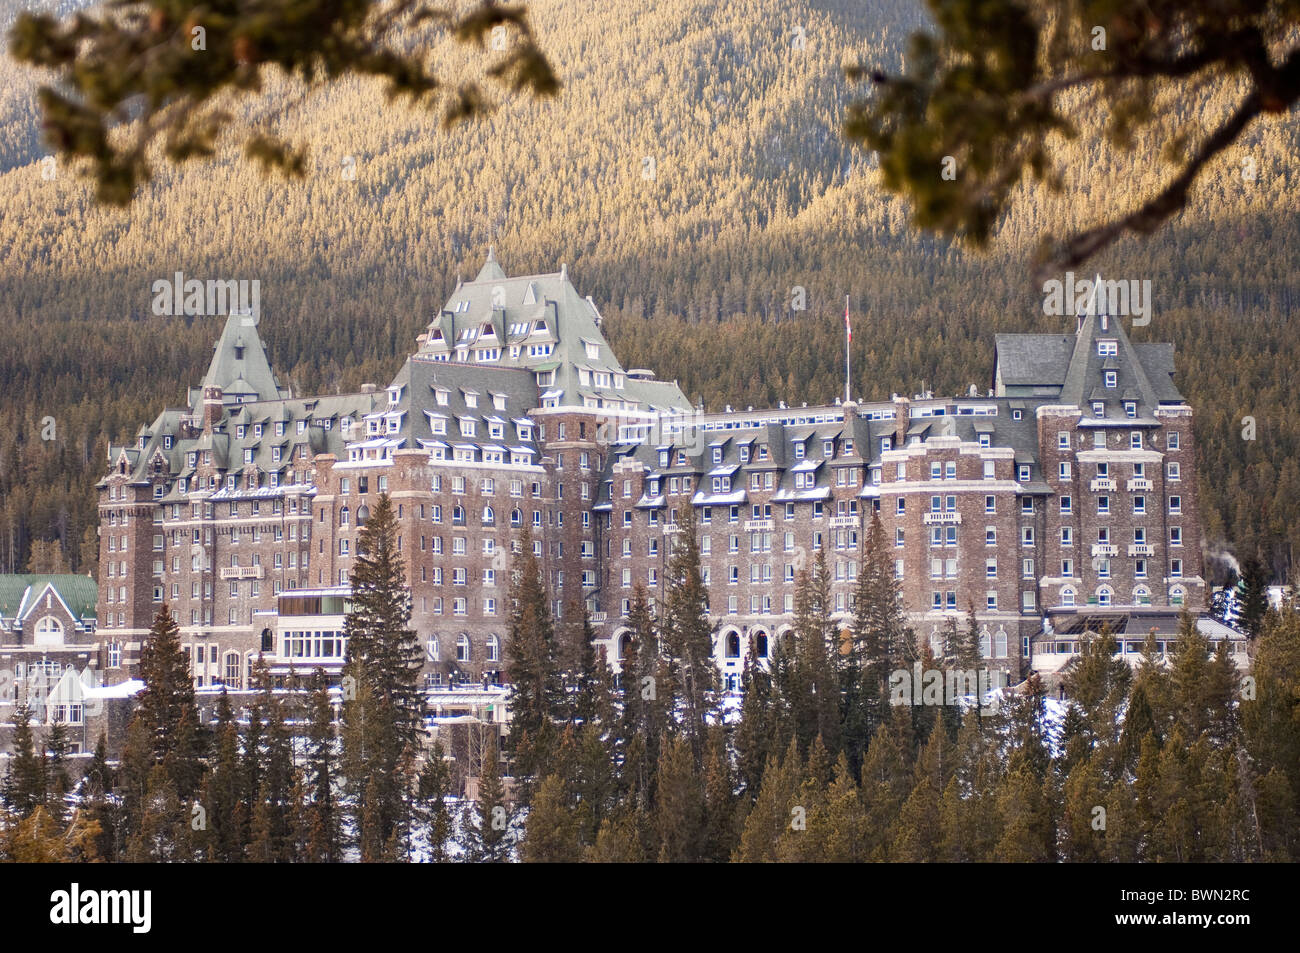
1141	549
1102	483
838	522
1138	483
1104	549
759	526
242	572
940	519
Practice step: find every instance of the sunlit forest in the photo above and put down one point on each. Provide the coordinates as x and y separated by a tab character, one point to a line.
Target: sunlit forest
692	175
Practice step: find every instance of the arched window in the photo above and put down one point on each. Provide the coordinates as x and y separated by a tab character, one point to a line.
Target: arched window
984	643
458	515
49	631
516	517
489	516
1000	643
363	514
1176	595
760	645
1067	597
936	642
1104	596
431	648
624	645
462	647
733	645
343	516
493	649
234	671
268	640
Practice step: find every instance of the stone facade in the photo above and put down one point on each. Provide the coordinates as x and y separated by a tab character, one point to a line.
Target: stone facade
1068	487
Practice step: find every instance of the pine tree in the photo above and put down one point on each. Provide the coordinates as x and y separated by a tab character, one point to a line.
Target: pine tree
432	814
536	691
166	708
679	805
381	644
771	817
687	635
551	834
645	703
56	771
25	785
100	807
1253	590
383	706
223	791
323	840
814	697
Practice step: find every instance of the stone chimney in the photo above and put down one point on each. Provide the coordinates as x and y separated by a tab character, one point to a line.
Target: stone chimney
212	407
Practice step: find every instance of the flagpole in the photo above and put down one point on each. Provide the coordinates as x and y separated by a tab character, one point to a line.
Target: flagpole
848	340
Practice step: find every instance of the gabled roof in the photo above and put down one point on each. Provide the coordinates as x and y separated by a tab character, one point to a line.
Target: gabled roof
19	593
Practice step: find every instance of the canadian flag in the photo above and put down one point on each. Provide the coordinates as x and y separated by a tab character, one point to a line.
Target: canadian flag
847	326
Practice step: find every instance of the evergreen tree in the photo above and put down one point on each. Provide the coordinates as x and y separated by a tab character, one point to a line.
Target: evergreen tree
383	705
432	813
687	634
223	792
25	785
536	690
679	805
323	840
551	833
166	709
1253	597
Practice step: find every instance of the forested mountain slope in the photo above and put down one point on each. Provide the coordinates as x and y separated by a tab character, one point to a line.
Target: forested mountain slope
691	174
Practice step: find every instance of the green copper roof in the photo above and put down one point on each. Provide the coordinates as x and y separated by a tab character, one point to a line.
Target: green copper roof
18	591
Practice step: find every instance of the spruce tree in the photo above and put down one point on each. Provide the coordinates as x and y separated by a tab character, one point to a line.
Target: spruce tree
166	708
432	814
679	805
383	706
551	834
687	635
536	689
223	791
25	786
320	772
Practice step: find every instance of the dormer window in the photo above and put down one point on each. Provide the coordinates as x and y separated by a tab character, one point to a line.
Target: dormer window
241	430
1130	408
593	351
1098	408
257	430
499	401
442	396
828	448
1107	348
717	454
798	450
394	394
167	442
1112	379
663	458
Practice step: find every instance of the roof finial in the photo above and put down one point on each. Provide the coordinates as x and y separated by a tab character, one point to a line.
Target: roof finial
492	253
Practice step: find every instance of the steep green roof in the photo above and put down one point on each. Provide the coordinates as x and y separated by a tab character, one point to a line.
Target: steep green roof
17	592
